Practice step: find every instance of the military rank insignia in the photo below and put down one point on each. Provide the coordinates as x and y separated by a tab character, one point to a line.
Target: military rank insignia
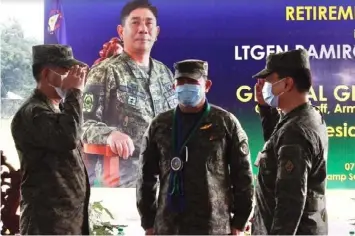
206	126
132	100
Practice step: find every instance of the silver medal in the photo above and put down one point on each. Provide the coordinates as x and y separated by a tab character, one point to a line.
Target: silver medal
176	164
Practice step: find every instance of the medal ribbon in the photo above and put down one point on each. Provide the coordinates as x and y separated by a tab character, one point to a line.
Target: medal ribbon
176	183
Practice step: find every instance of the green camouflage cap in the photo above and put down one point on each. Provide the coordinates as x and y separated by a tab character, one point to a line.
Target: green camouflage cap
290	60
55	55
192	68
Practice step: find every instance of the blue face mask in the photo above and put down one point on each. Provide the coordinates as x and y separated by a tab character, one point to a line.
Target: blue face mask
189	94
268	96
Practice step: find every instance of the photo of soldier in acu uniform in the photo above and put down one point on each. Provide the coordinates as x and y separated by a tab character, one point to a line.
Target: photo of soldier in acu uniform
125	92
291	183
55	188
198	155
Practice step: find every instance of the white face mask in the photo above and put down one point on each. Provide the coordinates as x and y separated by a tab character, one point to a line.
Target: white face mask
61	93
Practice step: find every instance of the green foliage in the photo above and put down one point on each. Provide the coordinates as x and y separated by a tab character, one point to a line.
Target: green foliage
100	218
16	59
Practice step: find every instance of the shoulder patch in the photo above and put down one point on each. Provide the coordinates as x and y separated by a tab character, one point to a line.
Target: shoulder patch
88	102
244	148
289	166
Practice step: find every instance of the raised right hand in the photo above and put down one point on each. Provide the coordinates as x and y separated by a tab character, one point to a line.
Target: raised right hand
121	144
259	92
76	78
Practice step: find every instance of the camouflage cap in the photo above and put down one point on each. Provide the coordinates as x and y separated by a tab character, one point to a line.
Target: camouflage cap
290	60
55	55
192	68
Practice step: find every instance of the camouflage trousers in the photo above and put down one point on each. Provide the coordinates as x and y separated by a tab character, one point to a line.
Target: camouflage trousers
128	172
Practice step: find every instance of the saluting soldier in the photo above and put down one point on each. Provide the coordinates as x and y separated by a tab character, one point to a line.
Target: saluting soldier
125	92
55	187
200	155
290	190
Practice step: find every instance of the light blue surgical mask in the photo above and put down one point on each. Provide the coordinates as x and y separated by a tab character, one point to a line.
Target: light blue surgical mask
269	97
190	94
61	92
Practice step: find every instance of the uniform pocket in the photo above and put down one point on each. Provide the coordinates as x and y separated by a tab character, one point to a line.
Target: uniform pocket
264	163
170	94
267	168
266	160
215	152
131	98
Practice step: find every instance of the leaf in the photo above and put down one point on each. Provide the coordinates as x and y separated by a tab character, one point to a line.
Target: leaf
97	225
108	212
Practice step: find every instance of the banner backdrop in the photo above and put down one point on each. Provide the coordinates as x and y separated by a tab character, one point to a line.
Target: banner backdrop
235	37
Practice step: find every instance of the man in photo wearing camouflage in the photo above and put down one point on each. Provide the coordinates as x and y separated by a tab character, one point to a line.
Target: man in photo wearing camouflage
125	92
55	188
200	155
290	190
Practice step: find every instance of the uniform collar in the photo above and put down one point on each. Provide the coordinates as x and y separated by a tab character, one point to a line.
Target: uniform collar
135	68
179	112
37	94
297	110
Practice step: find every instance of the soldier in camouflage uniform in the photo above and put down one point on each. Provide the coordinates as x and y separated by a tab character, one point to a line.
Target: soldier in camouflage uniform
200	155
125	92
290	190
55	188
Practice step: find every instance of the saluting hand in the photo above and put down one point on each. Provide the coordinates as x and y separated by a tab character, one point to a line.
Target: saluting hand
76	78
259	92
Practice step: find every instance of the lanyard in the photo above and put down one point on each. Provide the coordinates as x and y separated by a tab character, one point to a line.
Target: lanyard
176	182
176	137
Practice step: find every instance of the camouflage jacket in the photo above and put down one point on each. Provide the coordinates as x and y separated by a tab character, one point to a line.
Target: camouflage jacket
217	177
54	186
119	95
290	190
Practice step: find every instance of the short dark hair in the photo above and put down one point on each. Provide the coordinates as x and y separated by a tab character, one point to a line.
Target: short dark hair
301	77
36	71
135	4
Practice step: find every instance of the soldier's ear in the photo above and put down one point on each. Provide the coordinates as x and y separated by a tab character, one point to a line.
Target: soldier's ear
208	85
44	73
174	85
120	31
158	32
289	84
